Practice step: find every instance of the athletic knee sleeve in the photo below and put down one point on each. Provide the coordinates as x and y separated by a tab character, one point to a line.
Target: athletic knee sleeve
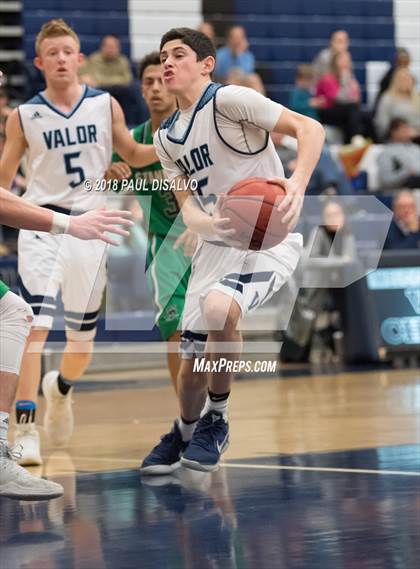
15	323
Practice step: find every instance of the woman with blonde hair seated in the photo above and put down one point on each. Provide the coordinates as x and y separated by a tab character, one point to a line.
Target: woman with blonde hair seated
401	100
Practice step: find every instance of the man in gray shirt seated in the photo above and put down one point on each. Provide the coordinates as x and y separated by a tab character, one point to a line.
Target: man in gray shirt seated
399	163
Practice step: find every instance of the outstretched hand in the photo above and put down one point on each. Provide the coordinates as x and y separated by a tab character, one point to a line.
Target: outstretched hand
95	224
291	204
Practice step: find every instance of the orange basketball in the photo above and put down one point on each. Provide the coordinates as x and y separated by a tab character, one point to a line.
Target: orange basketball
251	206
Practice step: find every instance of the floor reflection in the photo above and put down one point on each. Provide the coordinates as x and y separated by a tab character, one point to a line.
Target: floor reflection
233	519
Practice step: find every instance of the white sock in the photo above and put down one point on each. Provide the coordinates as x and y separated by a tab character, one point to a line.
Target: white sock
4	426
187	429
220	406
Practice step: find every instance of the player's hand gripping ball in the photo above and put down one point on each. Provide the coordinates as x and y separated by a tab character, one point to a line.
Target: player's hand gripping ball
251	205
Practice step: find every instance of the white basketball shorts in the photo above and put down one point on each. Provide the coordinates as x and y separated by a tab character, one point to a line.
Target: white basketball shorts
48	264
249	277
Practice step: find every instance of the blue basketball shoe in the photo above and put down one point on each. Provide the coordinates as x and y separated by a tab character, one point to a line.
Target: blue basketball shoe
164	457
210	439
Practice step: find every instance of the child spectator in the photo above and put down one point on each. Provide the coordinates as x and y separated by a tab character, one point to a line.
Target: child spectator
302	98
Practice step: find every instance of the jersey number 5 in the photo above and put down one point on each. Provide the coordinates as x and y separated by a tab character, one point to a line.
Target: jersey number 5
72	169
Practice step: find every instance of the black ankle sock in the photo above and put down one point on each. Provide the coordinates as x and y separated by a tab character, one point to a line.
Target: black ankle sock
64	385
188	422
25	411
218	396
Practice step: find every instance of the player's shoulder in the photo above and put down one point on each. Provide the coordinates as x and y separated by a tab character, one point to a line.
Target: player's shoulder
232	95
91	93
167	122
35	100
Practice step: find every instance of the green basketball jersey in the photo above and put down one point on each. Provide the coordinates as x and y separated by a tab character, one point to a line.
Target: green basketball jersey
3	289
162	209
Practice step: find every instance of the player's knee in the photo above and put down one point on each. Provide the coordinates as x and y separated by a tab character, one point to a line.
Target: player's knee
221	312
16	312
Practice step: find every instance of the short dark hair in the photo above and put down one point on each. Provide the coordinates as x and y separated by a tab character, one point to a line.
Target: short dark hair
152	58
196	40
395	124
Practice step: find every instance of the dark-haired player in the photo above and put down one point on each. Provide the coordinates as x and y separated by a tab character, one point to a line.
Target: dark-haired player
217	137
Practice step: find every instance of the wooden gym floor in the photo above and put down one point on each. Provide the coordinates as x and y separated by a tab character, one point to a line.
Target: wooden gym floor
322	472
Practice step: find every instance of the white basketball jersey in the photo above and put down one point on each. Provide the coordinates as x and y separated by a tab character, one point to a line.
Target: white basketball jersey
217	149
65	150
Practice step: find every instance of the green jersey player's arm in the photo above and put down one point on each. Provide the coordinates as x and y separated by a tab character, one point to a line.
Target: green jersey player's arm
135	154
13	151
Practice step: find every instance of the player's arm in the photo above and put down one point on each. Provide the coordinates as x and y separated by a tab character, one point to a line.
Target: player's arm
94	224
310	136
13	151
133	153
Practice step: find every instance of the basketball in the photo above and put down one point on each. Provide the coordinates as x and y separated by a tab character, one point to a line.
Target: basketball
251	205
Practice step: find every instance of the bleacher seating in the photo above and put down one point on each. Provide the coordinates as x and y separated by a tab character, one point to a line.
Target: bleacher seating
90	19
283	33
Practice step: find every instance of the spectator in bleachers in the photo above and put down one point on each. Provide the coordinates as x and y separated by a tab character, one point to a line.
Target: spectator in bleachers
207	28
107	67
302	99
110	70
404	232
399	163
339	43
401	100
234	54
319	314
341	97
402	61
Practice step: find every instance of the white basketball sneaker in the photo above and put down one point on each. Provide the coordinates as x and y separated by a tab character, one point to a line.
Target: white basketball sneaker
58	418
27	437
17	483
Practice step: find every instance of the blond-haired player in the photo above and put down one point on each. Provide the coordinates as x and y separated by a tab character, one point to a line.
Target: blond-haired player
68	132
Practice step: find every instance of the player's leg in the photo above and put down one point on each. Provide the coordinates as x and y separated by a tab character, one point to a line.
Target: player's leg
168	274
26	433
174	361
249	285
192	387
165	457
222	314
15	482
82	288
39	273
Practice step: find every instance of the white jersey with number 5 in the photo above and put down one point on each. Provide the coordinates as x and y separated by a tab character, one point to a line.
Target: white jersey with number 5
66	149
222	139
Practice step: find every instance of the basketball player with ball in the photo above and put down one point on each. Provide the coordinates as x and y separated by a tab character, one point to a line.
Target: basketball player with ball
219	138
